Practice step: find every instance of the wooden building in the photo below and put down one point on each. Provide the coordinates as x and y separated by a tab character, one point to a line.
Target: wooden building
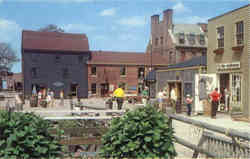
55	60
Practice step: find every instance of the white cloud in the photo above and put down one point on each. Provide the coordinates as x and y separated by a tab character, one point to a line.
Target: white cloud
180	8
77	28
108	12
135	21
9	30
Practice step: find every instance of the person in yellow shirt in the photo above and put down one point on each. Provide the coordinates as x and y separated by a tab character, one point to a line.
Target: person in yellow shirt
119	95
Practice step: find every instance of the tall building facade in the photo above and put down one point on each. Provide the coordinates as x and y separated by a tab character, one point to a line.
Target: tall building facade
229	54
176	42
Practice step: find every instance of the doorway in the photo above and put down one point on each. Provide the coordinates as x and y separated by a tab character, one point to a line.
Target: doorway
104	89
224	87
73	89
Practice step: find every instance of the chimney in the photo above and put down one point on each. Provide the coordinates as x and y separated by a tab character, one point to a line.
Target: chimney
168	18
203	26
155	19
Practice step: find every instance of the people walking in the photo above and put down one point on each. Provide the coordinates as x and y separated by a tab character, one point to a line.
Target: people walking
160	97
173	99
145	96
119	95
62	98
189	101
215	96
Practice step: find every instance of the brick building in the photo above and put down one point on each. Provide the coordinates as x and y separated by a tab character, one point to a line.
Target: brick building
229	54
176	42
55	60
107	69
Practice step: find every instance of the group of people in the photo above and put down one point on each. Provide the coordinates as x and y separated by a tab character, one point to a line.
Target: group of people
49	97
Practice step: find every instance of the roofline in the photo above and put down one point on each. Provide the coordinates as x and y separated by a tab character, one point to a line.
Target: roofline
181	68
48	51
55	32
228	12
122	52
134	64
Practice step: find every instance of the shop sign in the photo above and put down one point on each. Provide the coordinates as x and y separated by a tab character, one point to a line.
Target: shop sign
228	66
58	84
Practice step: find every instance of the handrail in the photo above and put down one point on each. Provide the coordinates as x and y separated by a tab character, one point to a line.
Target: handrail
228	132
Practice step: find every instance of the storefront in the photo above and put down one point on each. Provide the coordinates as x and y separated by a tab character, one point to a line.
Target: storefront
230	84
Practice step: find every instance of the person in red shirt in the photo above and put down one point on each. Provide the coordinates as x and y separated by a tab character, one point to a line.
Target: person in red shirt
215	102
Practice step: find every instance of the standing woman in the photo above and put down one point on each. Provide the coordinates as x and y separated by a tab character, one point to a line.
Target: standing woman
119	95
189	101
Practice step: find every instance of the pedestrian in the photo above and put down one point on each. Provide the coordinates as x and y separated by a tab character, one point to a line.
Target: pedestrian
62	98
173	99
227	99
160	97
119	95
52	98
145	96
215	96
19	102
39	97
189	102
48	98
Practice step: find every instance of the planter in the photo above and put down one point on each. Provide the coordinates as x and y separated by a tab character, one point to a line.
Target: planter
219	51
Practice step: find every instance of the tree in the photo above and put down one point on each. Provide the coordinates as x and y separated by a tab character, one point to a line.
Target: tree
51	28
7	56
141	133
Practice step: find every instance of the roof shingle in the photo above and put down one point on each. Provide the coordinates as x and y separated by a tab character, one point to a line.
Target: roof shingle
54	41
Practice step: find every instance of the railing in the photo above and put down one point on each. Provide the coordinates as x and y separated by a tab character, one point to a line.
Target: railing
215	146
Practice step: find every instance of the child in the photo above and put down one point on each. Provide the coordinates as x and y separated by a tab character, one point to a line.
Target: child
189	101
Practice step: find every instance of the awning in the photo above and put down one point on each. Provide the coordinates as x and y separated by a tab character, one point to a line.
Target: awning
151	76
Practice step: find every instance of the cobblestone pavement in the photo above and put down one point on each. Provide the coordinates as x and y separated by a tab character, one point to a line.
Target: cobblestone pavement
185	131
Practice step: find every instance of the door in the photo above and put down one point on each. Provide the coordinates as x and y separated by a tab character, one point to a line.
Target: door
236	87
73	89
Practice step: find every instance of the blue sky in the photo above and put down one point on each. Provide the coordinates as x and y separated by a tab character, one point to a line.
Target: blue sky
117	25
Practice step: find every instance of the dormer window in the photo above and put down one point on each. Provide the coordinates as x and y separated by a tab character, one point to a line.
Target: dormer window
202	39
191	39
181	38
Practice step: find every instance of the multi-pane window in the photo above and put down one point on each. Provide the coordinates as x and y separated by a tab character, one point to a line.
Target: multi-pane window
65	72
93	70
57	59
161	40
236	88
181	38
220	37
240	32
123	71
183	55
93	88
191	39
80	59
34	72
156	41
202	39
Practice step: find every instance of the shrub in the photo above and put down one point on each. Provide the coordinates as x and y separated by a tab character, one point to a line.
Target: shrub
25	135
141	133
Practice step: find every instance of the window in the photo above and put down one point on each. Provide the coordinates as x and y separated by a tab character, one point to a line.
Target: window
65	73
93	88
162	40
123	71
183	55
202	39
34	58
181	38
93	70
57	59
236	88
156	41
220	37
240	33
80	59
34	72
191	39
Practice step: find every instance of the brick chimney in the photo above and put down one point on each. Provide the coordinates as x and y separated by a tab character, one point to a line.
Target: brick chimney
168	18
155	19
203	26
